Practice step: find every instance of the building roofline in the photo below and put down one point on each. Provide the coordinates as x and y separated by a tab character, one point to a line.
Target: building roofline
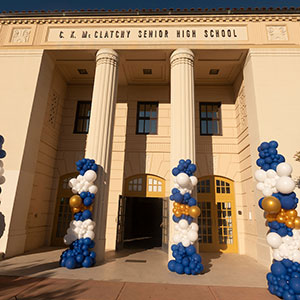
151	12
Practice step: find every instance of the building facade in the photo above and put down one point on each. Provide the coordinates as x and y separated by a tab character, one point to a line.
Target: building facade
137	91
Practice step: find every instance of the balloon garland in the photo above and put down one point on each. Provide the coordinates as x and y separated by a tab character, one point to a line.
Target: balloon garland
279	203
185	210
2	155
80	234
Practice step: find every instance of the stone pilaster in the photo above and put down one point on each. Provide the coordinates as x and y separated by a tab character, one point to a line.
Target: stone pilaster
99	141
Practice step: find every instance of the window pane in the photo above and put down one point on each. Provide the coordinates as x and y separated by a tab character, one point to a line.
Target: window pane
215	127
147	126
153	126
148	109
209	111
209	127
154	111
203	127
141	112
141	126
203	111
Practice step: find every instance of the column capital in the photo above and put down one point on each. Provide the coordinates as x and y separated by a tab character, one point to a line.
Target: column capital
182	55
108	56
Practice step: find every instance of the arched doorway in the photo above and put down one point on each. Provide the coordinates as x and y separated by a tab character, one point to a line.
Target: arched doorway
143	213
217	221
63	213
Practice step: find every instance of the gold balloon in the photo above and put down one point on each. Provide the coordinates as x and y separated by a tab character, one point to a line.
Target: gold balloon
194	211
75	210
289	224
177	213
271	205
280	219
75	201
292	213
271	217
297	223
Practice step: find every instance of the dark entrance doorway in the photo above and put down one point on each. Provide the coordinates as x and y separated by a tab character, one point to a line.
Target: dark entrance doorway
143	222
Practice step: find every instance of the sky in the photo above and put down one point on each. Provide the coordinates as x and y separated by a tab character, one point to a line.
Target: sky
20	5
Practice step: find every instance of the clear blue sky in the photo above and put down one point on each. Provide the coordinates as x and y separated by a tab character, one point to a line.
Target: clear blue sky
119	4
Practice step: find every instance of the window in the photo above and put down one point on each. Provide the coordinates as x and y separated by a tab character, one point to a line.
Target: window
147	118
210	119
83	114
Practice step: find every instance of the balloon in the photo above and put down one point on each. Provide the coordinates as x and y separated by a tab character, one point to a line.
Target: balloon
274	239
284	169
75	201
260	175
88	261
297	223
267	191
271	217
278	269
171	265
295	285
90	176
76	210
271	205
194	211
291	213
194	180
192	235
70	263
93	189
183	180
285	185
183	224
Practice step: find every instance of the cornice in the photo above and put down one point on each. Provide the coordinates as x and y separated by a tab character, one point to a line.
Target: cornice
154	19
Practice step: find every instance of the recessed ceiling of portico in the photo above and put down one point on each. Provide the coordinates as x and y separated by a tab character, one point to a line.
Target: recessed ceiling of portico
133	62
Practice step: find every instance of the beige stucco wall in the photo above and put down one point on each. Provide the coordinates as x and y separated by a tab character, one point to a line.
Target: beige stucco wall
25	81
273	106
38	222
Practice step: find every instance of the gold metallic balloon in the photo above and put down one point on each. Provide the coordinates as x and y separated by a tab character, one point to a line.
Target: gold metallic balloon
290	224
292	213
271	217
75	210
194	211
177	213
280	219
271	205
297	223
75	201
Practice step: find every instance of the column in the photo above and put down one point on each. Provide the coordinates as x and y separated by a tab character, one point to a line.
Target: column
99	141
24	88
271	79
182	113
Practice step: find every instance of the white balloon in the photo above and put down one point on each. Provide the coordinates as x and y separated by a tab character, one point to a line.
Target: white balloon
271	174
93	189
193	180
74	191
90	227
192	235
183	224
72	182
260	186
1	171
90	175
185	242
260	175
89	234
194	226
267	191
88	222
176	227
284	169
183	180
296	256
274	239
176	238
276	255
285	185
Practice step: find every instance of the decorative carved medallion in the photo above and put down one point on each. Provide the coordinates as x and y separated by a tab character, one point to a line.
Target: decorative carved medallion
20	35
277	33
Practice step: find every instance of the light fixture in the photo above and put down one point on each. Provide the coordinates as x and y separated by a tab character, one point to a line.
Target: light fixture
147	71
82	71
214	71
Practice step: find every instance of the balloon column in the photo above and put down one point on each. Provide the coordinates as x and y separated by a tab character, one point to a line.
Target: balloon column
80	234
279	203
2	155
185	210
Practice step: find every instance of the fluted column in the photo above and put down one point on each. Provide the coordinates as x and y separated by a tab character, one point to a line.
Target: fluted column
182	115
99	141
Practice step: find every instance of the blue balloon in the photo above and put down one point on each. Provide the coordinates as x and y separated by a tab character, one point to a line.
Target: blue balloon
190	250
176	219
282	231
273	144
295	285
70	263
287	263
266	167
174	247
2	153
93	254
287	296
179	268
260	162
281	158
87	241
86	214
264	145
192	202
278	269
274	166
185	262
178	197
87	201
62	262
268	160
260	202
175	171
192	168
79	258
88	262
172	265
187	271
262	154
196	257
272	151
1	140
